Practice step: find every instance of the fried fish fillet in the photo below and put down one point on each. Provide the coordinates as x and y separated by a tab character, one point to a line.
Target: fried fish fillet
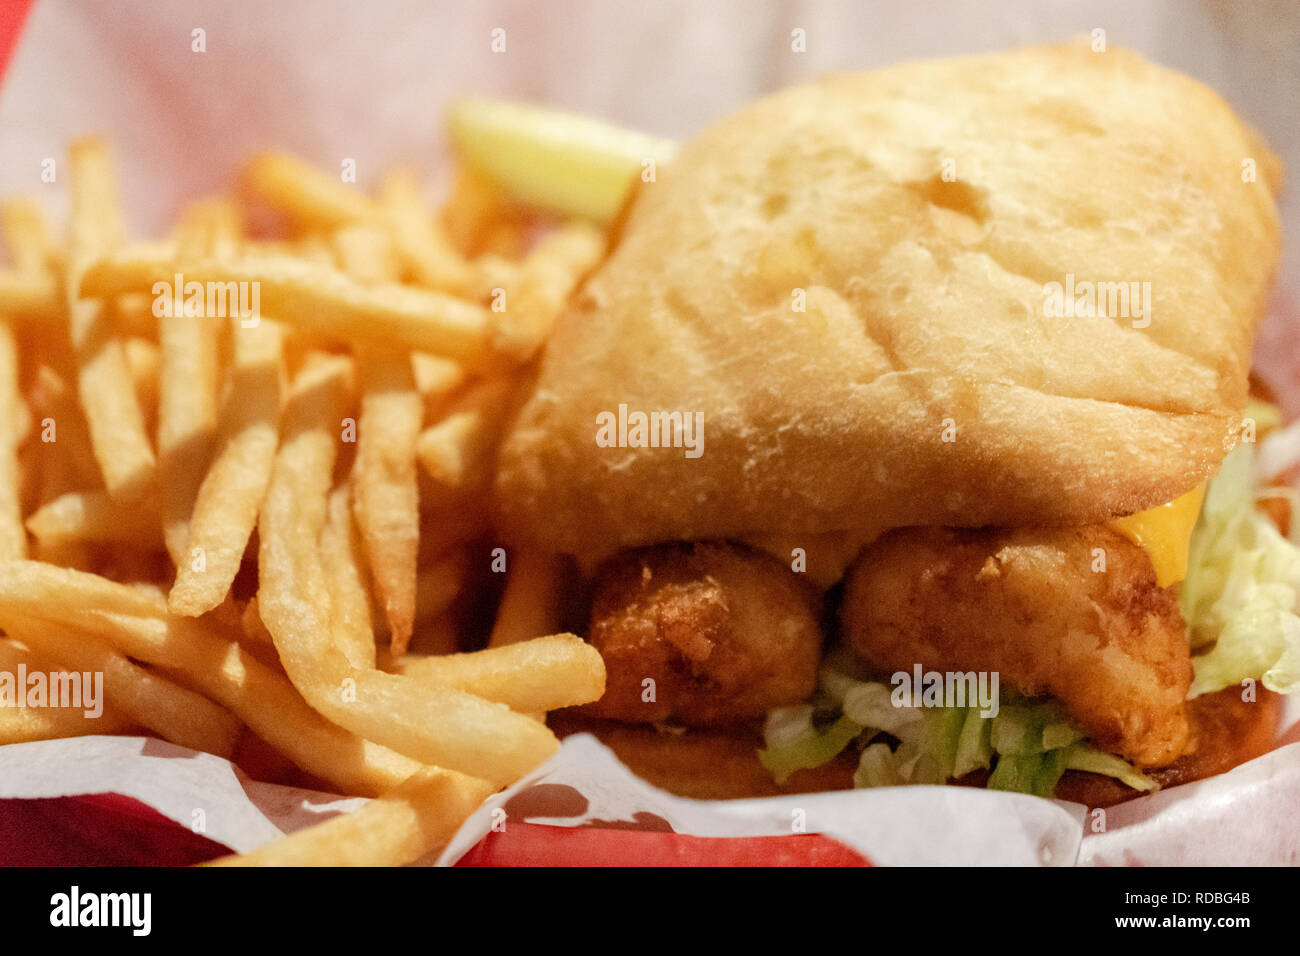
702	634
1073	613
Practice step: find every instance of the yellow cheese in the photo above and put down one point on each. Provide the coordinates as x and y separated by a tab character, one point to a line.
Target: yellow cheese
1165	531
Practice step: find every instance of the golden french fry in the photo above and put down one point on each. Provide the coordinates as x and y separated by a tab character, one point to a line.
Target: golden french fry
366	253
143	361
475	206
425	250
457	451
546	279
436	379
31	297
541	674
439	584
530	604
24	724
95	518
136	623
225	510
104	385
448	728
172	712
318	298
340	552
64	436
13	539
494	275
189	382
414	820
385	493
508	240
28	236
312	197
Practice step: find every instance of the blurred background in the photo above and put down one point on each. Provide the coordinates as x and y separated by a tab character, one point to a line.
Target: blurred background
370	80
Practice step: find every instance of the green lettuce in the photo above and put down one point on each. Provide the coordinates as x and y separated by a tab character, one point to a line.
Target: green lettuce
1026	747
1240	595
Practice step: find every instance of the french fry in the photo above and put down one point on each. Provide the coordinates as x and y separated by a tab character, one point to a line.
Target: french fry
136	624
13	540
143	361
530	604
421	241
495	274
28	236
385	493
448	728
546	279
436	379
64	436
225	510
439	584
155	703
508	240
366	253
188	384
540	674
457	452
313	198
20	725
117	428
475	206
93	517
414	820
30	297
319	299
340	552
27	585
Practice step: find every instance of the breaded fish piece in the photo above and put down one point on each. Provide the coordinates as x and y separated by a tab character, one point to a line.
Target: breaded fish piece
1109	645
724	632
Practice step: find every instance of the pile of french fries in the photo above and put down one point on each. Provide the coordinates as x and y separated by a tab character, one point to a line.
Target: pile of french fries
258	527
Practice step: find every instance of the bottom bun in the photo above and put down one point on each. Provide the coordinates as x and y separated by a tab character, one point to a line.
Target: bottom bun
709	765
706	765
1227	732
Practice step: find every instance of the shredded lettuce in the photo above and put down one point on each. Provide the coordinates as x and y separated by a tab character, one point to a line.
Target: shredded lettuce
1240	595
1025	748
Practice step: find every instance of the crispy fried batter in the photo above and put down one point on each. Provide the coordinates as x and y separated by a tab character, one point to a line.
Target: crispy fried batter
1108	644
724	632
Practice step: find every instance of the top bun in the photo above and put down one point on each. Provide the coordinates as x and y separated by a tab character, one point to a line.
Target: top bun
919	216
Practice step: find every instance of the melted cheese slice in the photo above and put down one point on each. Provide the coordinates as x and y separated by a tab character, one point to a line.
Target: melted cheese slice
1165	532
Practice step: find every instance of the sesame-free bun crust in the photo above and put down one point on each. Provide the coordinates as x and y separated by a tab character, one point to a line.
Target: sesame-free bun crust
924	310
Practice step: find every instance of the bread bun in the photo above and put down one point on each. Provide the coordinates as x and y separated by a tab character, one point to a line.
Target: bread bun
917	215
